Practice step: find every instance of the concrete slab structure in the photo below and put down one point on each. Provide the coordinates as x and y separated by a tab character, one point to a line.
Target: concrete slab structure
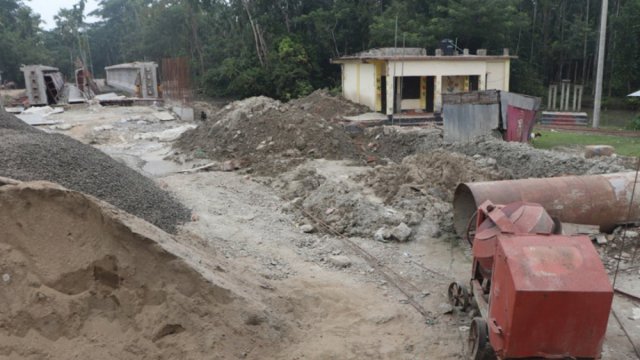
391	80
43	84
138	79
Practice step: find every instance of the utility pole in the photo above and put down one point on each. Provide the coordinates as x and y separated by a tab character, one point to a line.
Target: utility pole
533	28
597	101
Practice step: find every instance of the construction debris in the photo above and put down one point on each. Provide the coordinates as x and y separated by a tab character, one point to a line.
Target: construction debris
328	218
164	116
109	97
44	84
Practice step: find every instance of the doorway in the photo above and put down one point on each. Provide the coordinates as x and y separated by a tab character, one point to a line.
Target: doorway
431	82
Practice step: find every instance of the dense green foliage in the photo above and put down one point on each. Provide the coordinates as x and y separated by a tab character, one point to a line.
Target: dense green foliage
21	39
282	48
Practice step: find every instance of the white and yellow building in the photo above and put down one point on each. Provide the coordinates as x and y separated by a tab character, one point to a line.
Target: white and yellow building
392	80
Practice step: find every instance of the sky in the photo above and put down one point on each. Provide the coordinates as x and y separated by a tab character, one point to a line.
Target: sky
49	8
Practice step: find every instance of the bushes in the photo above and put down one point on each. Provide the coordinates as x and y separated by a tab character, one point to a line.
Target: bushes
634	124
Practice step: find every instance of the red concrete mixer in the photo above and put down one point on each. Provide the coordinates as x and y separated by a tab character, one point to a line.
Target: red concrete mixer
539	294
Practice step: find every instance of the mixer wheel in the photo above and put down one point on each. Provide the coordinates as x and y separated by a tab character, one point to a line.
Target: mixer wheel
478	340
458	295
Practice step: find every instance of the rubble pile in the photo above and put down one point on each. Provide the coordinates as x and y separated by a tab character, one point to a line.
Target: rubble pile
329	107
83	279
415	189
270	136
396	143
29	154
523	161
437	173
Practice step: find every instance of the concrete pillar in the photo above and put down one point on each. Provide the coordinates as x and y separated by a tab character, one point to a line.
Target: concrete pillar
507	75
567	96
580	89
423	92
379	73
482	82
575	98
390	95
358	82
554	99
549	97
562	90
437	94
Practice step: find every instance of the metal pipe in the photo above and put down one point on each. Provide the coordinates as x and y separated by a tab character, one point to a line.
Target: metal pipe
601	200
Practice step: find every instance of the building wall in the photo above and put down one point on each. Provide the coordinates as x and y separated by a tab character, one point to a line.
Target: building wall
359	83
437	68
497	76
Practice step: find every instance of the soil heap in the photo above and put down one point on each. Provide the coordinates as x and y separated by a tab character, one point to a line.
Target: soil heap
80	279
438	173
270	136
29	154
513	160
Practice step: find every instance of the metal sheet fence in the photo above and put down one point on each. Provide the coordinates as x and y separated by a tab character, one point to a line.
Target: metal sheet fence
176	79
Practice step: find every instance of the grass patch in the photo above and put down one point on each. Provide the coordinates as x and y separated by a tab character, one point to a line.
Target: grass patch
628	146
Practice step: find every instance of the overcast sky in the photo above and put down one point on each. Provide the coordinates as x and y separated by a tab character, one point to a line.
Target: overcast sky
49	8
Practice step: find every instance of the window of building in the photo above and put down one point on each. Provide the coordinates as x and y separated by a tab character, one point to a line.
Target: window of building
411	87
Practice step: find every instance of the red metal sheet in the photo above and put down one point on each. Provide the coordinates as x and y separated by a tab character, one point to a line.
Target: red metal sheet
550	297
519	124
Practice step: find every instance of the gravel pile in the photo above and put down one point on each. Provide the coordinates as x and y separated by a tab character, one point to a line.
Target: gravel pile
29	154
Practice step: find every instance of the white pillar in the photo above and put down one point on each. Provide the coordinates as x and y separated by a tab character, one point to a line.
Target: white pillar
581	90
437	94
390	95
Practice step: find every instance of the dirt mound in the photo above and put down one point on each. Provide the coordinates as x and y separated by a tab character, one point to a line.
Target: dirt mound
270	136
396	143
523	161
81	279
438	173
327	106
514	160
29	154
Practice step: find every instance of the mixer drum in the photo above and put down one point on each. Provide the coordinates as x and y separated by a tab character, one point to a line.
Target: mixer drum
525	218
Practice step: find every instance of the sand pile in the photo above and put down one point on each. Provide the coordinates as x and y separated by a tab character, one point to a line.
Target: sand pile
270	136
80	279
29	154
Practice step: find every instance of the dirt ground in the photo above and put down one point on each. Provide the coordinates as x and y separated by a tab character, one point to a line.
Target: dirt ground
300	290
